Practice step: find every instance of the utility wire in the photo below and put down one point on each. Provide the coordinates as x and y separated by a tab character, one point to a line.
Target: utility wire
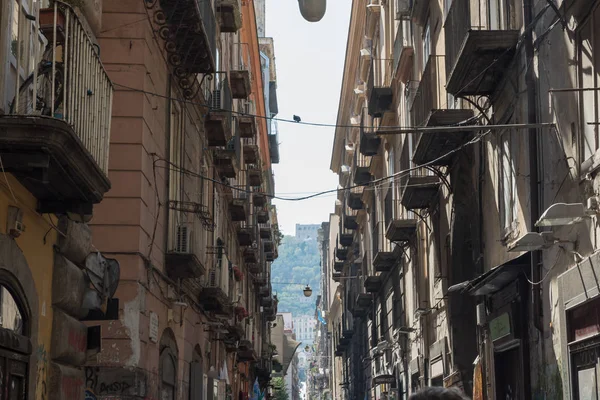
176	168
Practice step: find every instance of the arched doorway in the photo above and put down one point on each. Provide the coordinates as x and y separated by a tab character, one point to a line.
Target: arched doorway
197	379
15	344
18	334
168	366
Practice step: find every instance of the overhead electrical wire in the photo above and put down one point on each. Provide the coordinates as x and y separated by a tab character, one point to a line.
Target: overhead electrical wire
176	168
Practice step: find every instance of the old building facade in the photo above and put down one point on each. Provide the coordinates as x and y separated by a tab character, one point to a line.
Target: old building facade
145	126
463	246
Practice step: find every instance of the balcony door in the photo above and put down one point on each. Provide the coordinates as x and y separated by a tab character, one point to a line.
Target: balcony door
18	45
501	15
589	78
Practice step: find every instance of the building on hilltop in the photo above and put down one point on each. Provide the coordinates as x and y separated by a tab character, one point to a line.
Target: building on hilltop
307	232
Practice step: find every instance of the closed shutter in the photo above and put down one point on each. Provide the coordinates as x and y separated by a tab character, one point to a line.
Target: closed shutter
196	380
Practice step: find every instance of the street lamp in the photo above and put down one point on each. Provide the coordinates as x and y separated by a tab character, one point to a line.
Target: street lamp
312	10
307	291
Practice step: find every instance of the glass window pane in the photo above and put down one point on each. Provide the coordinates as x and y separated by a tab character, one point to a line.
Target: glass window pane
11	317
586	382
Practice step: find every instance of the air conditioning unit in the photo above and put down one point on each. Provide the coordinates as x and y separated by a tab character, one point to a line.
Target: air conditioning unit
183	239
216	99
402	9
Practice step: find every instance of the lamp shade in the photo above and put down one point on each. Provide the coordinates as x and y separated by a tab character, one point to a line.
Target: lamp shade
312	10
307	291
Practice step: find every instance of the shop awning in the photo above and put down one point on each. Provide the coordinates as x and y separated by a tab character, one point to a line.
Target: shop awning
496	278
500	276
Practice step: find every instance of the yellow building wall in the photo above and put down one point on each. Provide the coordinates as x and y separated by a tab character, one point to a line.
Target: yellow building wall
36	243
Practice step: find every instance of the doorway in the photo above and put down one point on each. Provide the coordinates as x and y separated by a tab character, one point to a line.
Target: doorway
507	372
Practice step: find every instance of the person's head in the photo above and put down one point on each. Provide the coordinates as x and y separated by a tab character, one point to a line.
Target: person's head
437	393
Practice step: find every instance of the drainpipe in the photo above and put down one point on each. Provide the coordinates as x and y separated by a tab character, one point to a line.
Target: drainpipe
532	117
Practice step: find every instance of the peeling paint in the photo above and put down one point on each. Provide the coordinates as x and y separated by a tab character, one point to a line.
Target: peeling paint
131	320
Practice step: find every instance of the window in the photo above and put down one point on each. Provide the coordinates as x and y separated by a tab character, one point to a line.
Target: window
507	179
502	14
168	366
426	43
589	70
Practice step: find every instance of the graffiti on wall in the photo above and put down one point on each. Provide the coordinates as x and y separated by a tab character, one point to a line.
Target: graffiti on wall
42	369
111	383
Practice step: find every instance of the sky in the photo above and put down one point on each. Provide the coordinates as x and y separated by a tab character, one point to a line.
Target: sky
309	57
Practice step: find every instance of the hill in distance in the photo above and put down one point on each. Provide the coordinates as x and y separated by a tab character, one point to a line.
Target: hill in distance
296	267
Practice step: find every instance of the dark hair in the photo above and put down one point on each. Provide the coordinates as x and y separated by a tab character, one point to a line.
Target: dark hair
437	393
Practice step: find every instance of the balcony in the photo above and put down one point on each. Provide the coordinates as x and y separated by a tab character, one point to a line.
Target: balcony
218	122
364	300
430	95
355	201
226	160
246	352
432	146
373	284
57	146
478	53
240	84
246	234
238	209
236	331
403	52
341	253
259	200
336	276
247	126
419	189
191	34
265	291
255	177
250	153
184	257
250	255
254	268
230	17
265	231
369	142
350	221
420	10
362	174
401	229
338	266
268	246
214	297
239	204
266	302
260	279
384	257
262	217
346	237
381	98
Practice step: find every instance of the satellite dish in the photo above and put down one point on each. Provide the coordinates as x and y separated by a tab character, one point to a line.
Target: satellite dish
312	10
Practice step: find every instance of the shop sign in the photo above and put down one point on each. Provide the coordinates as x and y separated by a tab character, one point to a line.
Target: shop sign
500	327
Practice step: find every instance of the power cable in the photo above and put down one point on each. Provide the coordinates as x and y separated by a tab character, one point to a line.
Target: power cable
176	168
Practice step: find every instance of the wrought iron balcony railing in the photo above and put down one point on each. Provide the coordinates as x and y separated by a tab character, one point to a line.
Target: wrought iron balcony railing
60	111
